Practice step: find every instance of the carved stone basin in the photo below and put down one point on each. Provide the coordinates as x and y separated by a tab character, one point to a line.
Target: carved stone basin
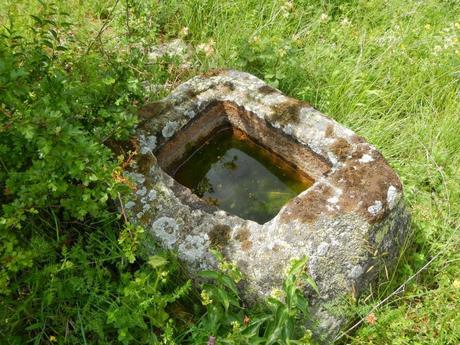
350	223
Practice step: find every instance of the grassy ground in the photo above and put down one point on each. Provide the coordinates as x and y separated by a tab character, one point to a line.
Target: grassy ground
390	70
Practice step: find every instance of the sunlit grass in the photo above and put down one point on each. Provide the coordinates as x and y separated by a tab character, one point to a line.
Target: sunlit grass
389	70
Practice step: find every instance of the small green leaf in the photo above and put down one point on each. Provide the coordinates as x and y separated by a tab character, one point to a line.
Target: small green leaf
157	261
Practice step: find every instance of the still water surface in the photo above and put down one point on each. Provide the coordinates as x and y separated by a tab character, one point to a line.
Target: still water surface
240	177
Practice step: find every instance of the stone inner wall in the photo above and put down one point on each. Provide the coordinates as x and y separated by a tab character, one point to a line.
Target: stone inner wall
227	114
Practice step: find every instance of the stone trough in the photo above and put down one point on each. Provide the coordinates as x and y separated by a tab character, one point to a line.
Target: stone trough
350	223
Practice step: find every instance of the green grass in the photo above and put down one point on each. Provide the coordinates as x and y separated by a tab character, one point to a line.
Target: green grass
390	70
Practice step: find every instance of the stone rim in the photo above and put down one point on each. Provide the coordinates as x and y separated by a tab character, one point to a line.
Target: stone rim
350	182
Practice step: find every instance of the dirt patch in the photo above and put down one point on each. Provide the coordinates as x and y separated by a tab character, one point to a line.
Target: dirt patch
364	184
307	208
215	72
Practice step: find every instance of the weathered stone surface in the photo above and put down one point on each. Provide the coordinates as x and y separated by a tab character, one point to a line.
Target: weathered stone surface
350	223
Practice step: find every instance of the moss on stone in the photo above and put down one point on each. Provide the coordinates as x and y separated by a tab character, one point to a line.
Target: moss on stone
266	90
154	109
287	112
219	235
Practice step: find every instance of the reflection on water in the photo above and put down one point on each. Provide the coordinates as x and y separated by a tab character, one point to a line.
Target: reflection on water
241	177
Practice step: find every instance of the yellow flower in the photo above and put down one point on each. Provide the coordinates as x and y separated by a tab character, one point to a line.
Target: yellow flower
205	298
456	283
183	32
53	338
207	48
277	294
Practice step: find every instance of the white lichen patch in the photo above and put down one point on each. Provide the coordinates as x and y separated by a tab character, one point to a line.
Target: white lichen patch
190	113
136	177
148	145
152	195
165	228
334	200
169	129
142	191
274	99
366	158
375	208
356	272
323	247
194	247
130	204
392	195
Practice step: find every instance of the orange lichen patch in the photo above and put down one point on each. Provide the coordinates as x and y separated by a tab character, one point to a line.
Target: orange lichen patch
341	148
246	245
243	235
308	207
364	184
288	112
117	175
329	131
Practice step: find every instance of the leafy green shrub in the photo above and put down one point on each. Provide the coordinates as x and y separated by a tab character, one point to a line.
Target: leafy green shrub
67	265
56	116
71	271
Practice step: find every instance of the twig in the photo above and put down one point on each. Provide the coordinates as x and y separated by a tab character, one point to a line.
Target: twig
122	208
103	27
128	29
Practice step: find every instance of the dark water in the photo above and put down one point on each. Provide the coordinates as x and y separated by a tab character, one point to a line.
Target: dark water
240	177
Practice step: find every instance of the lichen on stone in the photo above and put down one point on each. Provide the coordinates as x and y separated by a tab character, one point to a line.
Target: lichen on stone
375	208
169	129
